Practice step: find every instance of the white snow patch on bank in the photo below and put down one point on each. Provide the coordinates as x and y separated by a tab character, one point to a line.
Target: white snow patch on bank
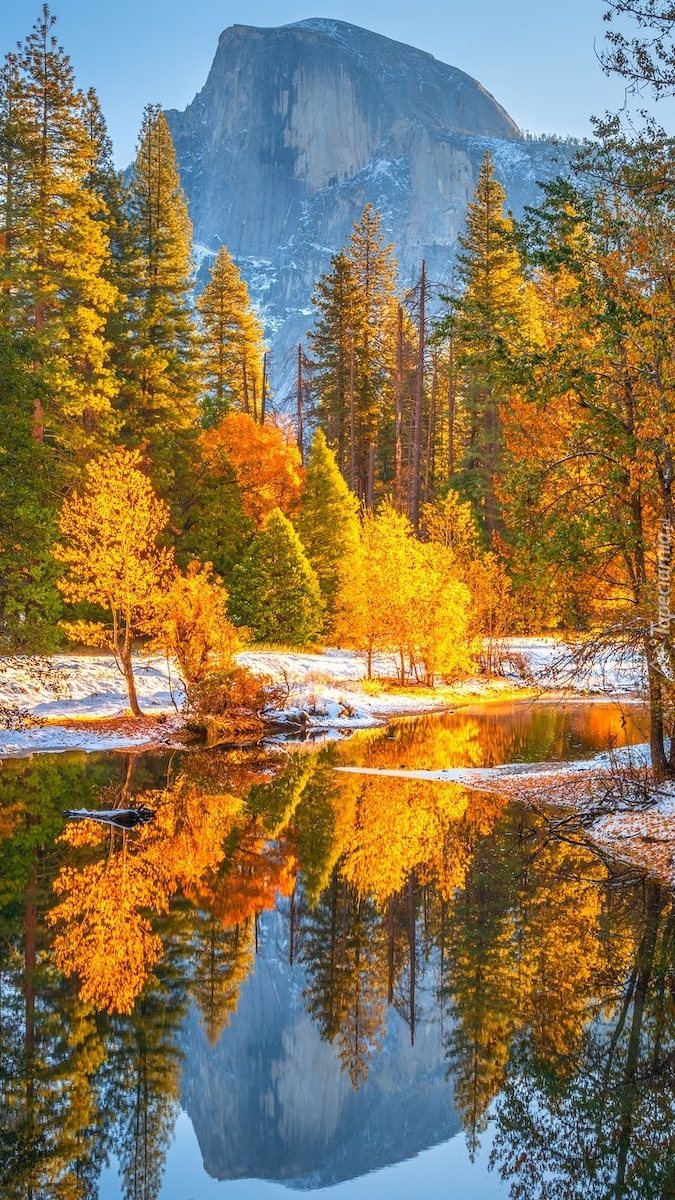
87	688
325	691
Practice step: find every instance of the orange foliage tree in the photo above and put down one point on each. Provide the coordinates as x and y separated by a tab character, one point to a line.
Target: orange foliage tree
266	464
194	627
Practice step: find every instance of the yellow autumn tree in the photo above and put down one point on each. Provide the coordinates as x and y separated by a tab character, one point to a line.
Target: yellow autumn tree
375	597
449	523
110	532
439	615
404	598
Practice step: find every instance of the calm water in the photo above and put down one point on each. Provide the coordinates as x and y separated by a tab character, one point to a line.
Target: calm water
296	979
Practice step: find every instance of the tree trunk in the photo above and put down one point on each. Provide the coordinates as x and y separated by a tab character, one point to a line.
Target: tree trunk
428	462
398	451
127	668
370	486
660	765
263	391
352	422
451	414
418	405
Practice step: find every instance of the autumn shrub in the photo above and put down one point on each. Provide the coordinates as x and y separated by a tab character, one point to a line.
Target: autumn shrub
193	625
234	692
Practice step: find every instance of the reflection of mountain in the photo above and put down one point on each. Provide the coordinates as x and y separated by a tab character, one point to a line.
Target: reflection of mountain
271	1101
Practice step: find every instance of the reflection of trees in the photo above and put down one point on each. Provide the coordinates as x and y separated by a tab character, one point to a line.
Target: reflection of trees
223	960
401	894
602	1123
344	952
53	1136
141	1076
202	846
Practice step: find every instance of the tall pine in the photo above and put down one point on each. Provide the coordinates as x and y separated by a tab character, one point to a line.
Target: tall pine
232	343
158	354
486	317
54	245
355	350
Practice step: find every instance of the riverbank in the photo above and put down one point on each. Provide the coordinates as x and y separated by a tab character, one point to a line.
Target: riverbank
607	801
80	702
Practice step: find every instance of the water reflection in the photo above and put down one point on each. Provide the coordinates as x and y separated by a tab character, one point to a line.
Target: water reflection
428	957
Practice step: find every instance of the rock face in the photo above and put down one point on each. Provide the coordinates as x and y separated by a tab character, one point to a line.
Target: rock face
297	128
271	1100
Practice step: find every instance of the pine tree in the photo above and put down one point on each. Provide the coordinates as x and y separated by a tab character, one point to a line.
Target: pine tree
55	248
332	344
158	357
232	343
274	590
30	479
355	350
328	520
485	316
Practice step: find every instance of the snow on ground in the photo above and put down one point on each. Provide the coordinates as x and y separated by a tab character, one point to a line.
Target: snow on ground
86	689
325	691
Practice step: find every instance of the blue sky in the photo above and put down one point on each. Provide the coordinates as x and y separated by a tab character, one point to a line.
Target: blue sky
537	57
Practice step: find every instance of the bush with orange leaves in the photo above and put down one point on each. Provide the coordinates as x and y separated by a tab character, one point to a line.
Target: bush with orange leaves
194	627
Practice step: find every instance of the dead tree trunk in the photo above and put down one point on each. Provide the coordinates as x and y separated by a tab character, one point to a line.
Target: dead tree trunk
418	406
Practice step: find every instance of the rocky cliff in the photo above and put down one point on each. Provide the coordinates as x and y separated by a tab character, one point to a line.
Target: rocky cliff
296	128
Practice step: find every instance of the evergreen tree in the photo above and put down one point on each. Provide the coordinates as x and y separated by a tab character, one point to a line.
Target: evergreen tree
332	342
232	343
328	520
355	350
486	315
29	484
54	243
274	590
158	355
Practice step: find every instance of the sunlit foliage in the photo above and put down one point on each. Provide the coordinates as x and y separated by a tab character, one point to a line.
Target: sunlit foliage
110	530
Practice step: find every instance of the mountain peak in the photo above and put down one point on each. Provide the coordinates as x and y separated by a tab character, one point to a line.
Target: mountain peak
299	126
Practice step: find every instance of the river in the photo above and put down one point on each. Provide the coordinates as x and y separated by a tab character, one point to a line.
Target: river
296	979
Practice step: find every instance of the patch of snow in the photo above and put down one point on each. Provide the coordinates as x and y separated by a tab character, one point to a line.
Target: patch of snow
89	687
